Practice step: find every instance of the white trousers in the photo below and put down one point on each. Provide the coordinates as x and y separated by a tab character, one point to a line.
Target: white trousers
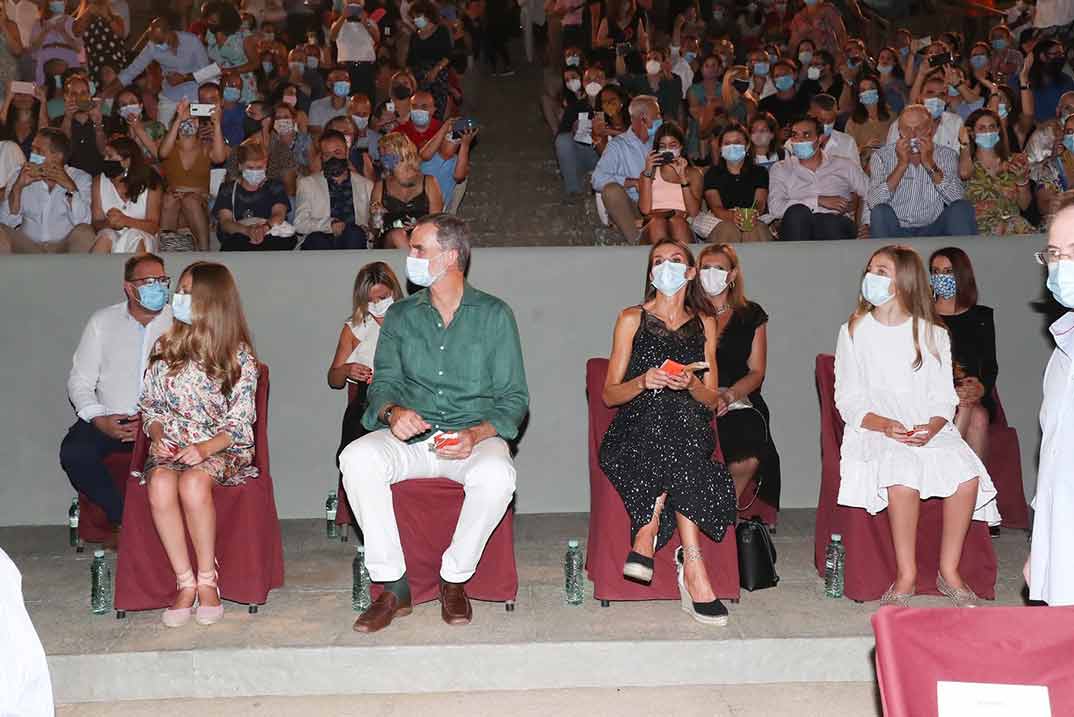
376	461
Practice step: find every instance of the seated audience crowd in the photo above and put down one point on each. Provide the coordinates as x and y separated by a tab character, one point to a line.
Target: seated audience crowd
807	120
332	126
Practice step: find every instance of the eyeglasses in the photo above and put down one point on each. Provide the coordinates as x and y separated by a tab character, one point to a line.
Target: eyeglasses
163	280
1050	256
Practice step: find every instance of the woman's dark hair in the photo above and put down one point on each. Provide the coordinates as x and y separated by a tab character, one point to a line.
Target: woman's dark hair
896	70
425	9
140	176
623	120
1001	148
1039	72
114	125
965	283
228	15
7	130
860	114
696	300
717	142
670	129
826	56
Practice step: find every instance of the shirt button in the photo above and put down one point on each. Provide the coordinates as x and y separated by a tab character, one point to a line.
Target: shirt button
441	348
439	325
439	393
439	373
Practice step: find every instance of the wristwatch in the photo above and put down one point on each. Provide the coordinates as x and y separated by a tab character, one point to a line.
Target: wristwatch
647	175
387	413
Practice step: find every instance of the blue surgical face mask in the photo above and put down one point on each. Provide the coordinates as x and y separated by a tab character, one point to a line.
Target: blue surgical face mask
943	285
952	91
935	106
232	94
986	140
312	62
869	97
784	82
36	158
1068	142
341	88
421	23
1061	282
655	126
804	150
805	57
999	44
853	64
1002	110
253	176
904	51
181	309
885	69
689	56
668	277
733	152
828	129
979	62
268	67
760	69
57	7
162	46
420	118
153	296
876	289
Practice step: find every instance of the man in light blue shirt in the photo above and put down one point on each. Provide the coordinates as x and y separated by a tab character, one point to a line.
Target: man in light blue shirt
617	173
179	54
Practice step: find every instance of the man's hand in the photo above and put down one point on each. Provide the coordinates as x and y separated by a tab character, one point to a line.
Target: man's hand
70	107
903	150
57	174
835	203
925	147
460	450
863	231
405	424
338	227
95	113
175	78
111	426
29	174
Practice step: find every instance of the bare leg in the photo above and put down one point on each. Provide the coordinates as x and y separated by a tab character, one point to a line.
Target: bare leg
197	218
196	494
904	505
164	506
742	472
680	230
656	230
169	212
976	433
622	210
643	541
396	239
694	573
103	245
957	514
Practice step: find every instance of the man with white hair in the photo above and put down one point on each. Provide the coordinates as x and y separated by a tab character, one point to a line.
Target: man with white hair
618	172
914	188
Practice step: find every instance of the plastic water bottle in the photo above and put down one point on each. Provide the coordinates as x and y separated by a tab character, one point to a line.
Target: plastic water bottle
574	583
100	584
835	558
360	599
72	523
330	505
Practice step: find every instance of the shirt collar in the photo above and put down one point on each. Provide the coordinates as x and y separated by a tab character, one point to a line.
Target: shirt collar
1063	332
469	296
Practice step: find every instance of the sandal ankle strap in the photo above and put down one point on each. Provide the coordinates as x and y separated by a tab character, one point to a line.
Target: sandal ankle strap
185	581
691	554
207	579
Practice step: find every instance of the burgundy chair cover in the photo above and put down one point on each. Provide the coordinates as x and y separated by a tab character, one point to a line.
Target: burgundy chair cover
248	543
609	525
343	510
870	559
93	525
426	511
1005	466
916	647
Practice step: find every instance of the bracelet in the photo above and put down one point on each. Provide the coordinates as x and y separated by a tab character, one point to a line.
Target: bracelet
647	175
684	184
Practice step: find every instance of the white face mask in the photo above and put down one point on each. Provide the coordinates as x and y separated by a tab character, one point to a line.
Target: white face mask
593	89
876	289
714	280
813	73
378	309
669	277
574	84
652	67
417	270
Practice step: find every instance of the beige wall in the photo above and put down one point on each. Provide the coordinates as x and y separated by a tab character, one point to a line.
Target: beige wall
566	300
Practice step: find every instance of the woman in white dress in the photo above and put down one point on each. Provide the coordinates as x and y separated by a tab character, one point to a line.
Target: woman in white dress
127	198
895	390
375	289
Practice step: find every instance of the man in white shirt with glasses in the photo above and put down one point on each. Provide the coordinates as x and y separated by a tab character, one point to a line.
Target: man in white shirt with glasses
106	380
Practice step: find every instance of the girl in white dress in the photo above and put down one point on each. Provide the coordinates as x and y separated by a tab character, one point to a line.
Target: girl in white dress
895	390
126	203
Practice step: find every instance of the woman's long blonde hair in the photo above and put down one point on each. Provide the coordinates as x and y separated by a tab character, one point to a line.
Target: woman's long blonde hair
736	290
912	291
369	276
217	330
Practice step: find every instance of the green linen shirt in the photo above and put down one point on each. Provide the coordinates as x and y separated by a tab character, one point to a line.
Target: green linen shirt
454	376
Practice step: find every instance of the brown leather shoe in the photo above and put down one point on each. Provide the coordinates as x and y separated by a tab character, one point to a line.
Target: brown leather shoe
454	605
381	613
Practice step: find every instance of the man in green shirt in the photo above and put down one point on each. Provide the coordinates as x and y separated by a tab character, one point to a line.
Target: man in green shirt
449	391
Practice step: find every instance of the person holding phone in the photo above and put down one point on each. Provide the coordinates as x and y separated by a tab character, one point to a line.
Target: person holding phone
185	161
669	189
666	476
356	36
894	391
84	124
198	412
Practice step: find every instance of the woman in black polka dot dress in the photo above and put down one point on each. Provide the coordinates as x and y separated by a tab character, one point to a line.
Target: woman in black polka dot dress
101	31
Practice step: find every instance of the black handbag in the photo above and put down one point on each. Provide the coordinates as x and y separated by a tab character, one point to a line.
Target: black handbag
756	555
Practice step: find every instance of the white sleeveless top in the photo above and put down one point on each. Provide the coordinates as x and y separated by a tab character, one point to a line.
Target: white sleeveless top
367	334
127	239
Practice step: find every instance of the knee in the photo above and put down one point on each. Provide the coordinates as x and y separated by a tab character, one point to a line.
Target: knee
195	490
612	192
162	494
725	233
75	452
494	477
397	239
962	217
563	144
797	213
363	464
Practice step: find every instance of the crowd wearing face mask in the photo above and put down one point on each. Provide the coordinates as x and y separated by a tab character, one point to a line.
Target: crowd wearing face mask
202	132
854	127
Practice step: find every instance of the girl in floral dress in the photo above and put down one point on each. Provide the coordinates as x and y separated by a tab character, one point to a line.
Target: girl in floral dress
198	411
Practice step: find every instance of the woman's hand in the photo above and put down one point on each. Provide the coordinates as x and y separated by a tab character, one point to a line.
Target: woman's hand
724	399
192	455
655	379
182	111
116	219
680	381
359	372
650	161
896	431
680	165
161	448
970	390
737	212
922	434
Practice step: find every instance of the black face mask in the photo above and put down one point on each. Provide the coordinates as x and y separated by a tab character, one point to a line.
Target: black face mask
741	85
250	126
333	167
401	92
112	168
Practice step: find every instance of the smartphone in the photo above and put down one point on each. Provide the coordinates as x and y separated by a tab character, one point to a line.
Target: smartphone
462	125
944	58
23	88
202	109
915	147
622	49
377	15
665	158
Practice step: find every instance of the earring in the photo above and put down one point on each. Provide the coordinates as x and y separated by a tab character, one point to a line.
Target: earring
731	284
